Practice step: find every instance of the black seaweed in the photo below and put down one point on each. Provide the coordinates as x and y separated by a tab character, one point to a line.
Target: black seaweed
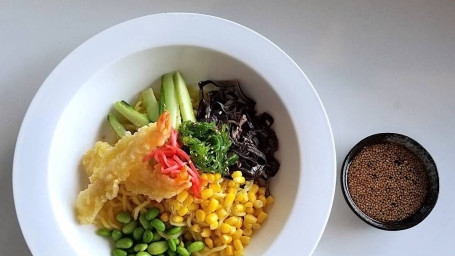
253	139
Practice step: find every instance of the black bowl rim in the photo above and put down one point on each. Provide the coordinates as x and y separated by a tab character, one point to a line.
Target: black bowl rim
389	226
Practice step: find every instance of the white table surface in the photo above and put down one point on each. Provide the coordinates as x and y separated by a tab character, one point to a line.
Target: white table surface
379	66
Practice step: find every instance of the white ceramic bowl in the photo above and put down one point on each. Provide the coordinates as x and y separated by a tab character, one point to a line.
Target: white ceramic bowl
69	111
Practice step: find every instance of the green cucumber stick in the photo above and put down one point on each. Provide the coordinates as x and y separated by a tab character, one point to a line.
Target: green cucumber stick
116	125
170	100
184	99
150	104
138	119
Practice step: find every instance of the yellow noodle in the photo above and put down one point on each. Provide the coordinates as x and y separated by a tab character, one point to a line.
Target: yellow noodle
138	209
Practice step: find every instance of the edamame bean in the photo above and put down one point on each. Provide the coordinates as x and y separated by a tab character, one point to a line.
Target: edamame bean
116	234
142	254
144	222
118	252
123	217
152	213
174	231
104	232
195	246
148	236
157	248
137	233
124	243
158	225
140	247
171	253
172	245
156	237
182	251
129	228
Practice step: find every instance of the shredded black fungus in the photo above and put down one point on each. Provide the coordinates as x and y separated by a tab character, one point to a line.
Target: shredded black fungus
253	139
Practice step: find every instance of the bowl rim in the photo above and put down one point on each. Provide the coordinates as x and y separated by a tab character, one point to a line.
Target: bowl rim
388	226
23	187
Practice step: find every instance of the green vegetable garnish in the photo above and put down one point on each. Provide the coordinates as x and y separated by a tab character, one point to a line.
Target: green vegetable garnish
208	146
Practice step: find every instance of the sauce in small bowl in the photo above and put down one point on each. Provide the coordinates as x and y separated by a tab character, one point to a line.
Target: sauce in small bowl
390	181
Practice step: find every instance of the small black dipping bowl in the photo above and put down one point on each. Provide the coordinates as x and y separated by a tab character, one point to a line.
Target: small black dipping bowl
430	168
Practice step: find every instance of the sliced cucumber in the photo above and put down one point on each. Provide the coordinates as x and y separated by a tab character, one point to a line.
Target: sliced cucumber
170	100
116	125
138	119
184	99
150	104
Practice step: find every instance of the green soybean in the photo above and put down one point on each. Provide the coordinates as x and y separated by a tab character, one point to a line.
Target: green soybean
129	228
195	246
152	213
174	231
118	252
137	233
148	236
157	248
144	222
140	247
123	217
156	237
171	253
124	243
182	251
158	225
172	245
104	232
143	254
116	234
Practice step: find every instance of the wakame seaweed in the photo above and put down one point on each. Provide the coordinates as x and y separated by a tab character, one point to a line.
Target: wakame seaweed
252	137
207	145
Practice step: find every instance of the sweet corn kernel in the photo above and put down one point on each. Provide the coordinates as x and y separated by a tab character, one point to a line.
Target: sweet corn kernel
262	216
222	213
263	200
208	242
217	176
237	234
229	200
238	209
212	205
247	225
261	191
236	174
204	176
248	231
188	201
211	218
270	200
249	210
206	232
205	204
188	236
217	241
214	225
257	211
177	219
238	253
256	226
258	204
215	187
238	245
229	251
196	228
206	193
241	198
200	215
219	206
232	220
231	183
226	239
250	219
251	196
249	204
239	223
182	196
226	228
182	211
239	180
176	205
245	240
164	217
210	178
204	182
254	189
159	206
232	190
193	207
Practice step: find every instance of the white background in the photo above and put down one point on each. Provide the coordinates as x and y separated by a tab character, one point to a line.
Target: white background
378	66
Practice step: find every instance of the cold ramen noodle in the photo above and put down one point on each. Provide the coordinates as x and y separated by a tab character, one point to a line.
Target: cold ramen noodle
188	175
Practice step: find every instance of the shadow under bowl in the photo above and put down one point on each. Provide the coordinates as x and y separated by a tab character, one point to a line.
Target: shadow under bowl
430	169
